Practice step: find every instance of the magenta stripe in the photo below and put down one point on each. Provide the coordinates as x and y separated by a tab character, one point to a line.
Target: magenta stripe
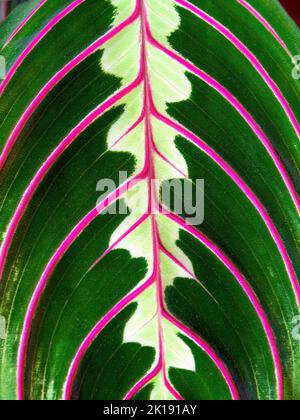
23	23
144	381
103	322
209	351
248	291
129	130
246	287
246	190
132	228
204	346
60	252
56	79
166	160
51	161
149	144
241	110
79	228
171	389
97	330
265	23
249	55
175	260
109	316
95	212
154	204
36	40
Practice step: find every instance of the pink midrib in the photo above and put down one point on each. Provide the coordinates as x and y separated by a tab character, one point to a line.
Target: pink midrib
153	209
152	197
23	23
149	118
209	80
156	277
149	165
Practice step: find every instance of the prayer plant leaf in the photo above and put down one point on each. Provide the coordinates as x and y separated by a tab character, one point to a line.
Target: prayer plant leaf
109	290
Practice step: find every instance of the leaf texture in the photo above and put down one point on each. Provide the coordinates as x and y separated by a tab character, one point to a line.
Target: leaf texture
143	304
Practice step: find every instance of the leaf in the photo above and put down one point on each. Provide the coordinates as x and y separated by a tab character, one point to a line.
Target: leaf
122	296
8	5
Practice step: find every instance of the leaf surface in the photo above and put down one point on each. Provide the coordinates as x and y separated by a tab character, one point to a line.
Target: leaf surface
148	303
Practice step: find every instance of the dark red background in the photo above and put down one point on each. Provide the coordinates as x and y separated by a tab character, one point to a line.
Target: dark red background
293	8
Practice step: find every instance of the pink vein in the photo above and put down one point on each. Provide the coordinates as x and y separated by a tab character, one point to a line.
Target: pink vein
50	162
56	79
196	338
204	346
159	282
245	189
96	331
175	261
149	144
249	55
23	23
166	160
207	349
36	40
144	381
248	291
151	194
265	23
172	258
153	373
240	109
161	313
129	130
60	252
132	228
48	271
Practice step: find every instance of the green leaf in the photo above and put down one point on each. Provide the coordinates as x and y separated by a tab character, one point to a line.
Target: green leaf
114	286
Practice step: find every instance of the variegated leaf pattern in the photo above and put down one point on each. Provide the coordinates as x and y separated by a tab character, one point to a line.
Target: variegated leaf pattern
145	305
